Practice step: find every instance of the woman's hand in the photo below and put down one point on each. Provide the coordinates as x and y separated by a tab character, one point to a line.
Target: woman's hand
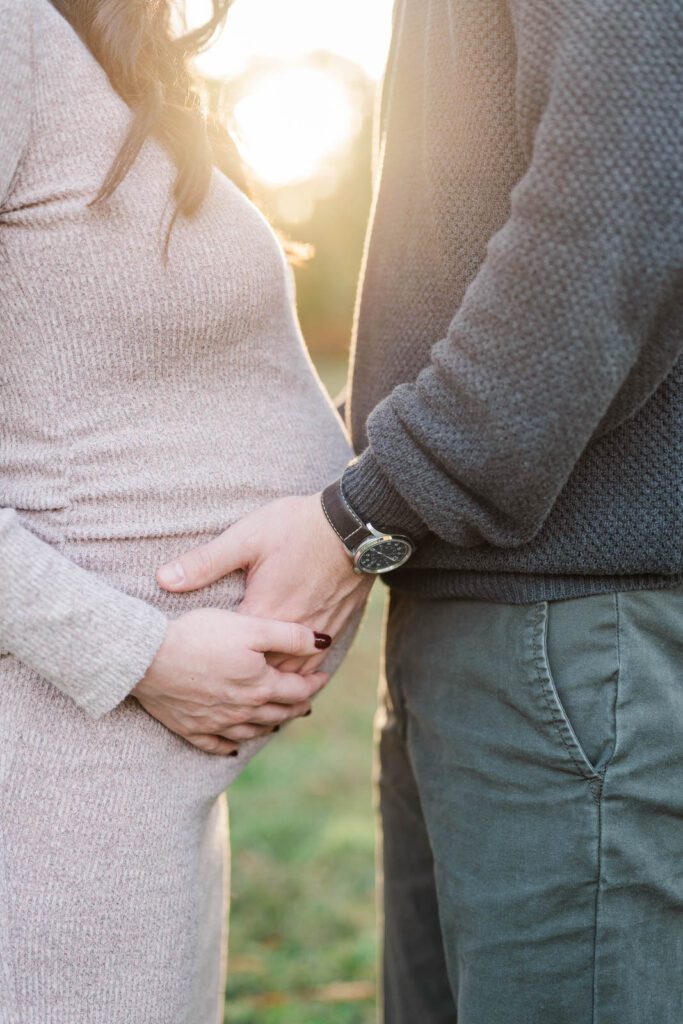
296	567
211	684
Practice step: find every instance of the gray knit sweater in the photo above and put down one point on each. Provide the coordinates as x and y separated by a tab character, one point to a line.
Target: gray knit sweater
520	327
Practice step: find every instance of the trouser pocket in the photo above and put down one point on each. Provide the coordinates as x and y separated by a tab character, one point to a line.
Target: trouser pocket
576	671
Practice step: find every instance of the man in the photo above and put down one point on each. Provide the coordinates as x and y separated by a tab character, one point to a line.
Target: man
517	407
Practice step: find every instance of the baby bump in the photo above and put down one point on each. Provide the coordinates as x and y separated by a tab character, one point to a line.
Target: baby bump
56	748
54	752
58	754
157	482
172	469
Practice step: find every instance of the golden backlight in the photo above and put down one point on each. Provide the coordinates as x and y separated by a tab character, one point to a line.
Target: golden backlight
295	118
293	121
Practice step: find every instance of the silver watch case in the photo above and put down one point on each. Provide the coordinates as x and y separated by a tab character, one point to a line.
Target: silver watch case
362	561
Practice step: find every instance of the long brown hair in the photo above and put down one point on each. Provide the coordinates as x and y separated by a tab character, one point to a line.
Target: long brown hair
149	67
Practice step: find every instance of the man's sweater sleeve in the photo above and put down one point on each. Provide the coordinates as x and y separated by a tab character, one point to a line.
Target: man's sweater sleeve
478	448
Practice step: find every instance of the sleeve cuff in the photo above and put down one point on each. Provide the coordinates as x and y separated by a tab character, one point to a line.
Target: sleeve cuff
104	692
374	498
91	641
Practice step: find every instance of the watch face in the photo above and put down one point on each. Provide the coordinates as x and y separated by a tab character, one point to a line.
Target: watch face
383	555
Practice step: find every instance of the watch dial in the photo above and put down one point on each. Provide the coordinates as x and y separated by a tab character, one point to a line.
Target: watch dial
384	555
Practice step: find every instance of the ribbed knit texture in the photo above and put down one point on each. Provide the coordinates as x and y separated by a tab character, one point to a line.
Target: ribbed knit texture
53	610
517	388
143	408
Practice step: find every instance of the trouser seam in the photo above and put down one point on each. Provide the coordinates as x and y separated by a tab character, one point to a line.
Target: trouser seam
600	802
596	915
539	625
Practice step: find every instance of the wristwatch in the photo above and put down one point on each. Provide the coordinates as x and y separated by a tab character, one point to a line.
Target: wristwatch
372	551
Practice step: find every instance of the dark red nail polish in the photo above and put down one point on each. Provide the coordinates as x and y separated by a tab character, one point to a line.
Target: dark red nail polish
322	641
307	713
233	753
276	729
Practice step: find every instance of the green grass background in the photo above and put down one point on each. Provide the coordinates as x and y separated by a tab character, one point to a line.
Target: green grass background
302	929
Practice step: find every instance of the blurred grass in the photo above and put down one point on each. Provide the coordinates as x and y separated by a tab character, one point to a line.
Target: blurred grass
302	927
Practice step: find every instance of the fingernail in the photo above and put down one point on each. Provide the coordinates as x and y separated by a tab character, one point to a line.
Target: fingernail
276	728
172	573
233	753
307	713
322	641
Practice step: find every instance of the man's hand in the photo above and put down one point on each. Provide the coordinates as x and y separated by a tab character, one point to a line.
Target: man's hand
296	566
210	681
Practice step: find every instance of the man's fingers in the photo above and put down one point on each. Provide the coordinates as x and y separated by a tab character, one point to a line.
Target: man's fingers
287	638
207	563
213	744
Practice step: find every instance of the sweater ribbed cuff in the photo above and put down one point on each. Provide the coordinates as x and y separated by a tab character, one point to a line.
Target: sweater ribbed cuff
375	500
93	642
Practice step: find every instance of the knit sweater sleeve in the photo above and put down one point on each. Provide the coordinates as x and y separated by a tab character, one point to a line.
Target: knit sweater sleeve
91	641
15	78
479	446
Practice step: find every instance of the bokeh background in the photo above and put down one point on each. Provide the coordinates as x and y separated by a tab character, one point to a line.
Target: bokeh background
297	82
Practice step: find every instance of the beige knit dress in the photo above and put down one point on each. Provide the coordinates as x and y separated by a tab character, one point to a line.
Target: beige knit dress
143	407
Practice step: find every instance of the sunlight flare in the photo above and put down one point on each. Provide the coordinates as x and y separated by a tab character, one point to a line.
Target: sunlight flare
296	117
292	122
358	30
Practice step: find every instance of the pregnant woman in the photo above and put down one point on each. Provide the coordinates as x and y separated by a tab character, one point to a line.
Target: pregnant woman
153	388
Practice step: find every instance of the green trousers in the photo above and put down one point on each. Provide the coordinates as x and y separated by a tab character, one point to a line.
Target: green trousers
531	797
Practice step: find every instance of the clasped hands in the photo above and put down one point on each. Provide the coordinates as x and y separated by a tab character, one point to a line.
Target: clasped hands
222	677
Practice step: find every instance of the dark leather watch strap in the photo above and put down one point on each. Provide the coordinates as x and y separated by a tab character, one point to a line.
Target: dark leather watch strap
346	524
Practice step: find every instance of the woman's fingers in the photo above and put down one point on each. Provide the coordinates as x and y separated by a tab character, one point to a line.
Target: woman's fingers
240	733
291	688
286	638
282	697
266	720
214	744
277	714
301	665
207	563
